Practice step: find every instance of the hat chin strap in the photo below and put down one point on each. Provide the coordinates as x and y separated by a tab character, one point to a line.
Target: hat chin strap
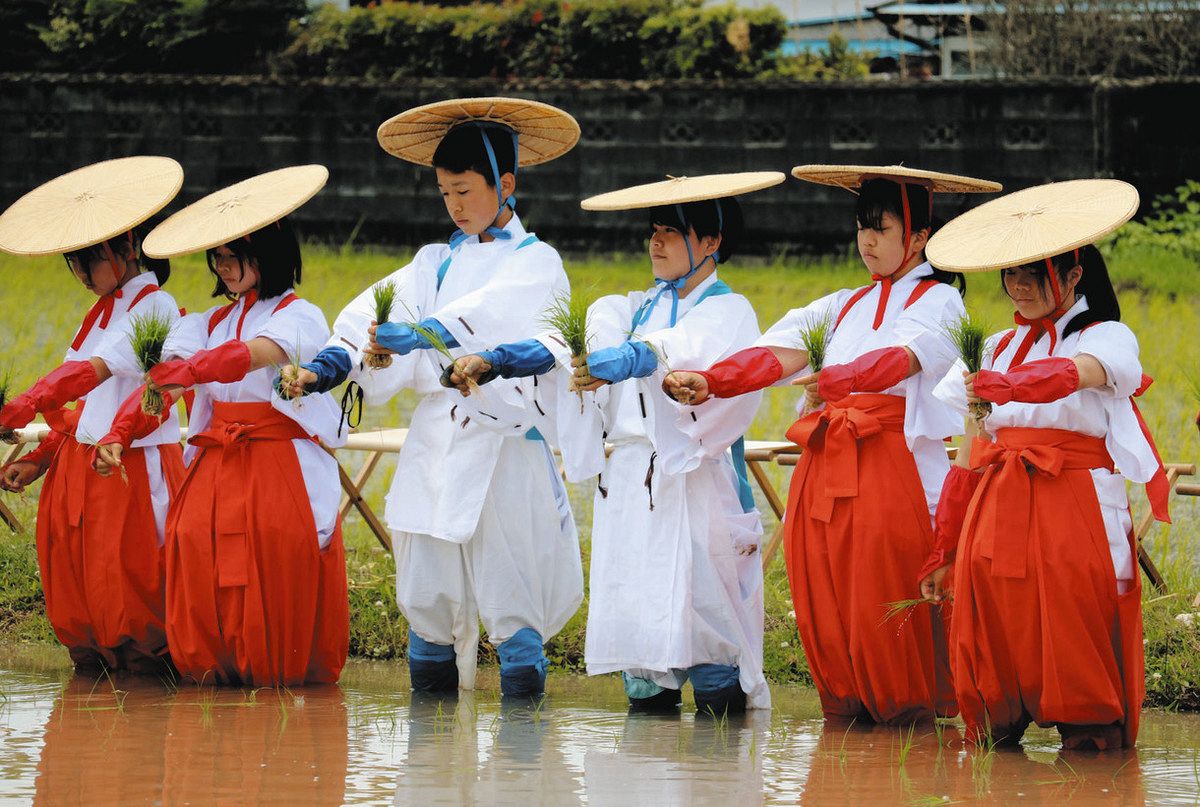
909	252
673	287
1060	305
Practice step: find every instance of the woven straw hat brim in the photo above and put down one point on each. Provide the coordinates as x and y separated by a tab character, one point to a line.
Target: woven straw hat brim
89	205
1032	224
681	190
851	177
544	132
237	210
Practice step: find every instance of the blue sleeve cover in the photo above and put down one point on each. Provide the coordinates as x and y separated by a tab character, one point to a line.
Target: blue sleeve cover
628	360
520	359
331	366
447	338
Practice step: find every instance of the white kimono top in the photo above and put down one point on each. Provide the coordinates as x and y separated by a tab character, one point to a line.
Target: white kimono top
920	324
300	330
1105	411
491	293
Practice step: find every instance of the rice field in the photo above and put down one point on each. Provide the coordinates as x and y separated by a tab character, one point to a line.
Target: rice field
41	305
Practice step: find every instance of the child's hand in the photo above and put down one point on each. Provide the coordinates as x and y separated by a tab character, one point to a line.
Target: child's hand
686	387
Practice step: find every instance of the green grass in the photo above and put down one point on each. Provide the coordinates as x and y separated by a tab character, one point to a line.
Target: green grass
1160	300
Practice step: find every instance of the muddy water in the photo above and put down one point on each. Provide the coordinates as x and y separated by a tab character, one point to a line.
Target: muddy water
70	740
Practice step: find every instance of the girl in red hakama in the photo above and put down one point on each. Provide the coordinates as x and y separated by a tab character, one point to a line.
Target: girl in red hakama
256	580
858	521
99	541
1047	597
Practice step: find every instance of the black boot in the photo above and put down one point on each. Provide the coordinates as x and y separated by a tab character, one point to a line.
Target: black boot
721	702
665	702
433	676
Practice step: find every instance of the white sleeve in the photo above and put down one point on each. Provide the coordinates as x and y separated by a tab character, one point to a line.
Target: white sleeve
924	328
685	435
188	335
300	331
1116	348
786	332
350	330
511	305
116	349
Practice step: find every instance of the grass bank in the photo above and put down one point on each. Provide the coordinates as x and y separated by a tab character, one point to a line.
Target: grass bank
40	307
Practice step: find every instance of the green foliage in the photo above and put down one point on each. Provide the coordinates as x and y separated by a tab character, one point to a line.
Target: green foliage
538	38
384	296
209	36
1174	226
835	63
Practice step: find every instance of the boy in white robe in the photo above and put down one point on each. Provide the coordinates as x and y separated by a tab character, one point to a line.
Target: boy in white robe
676	578
482	528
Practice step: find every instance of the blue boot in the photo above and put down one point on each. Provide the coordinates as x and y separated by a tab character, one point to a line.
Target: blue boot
431	667
522	665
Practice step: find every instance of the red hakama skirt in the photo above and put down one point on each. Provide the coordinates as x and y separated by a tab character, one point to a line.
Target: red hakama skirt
252	599
857	533
1040	633
100	558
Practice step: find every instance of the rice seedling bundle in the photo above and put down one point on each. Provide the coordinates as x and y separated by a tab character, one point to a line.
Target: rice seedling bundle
149	334
435	341
969	336
814	335
568	315
384	295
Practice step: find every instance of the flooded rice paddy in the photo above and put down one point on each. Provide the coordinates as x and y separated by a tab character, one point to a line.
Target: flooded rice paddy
67	740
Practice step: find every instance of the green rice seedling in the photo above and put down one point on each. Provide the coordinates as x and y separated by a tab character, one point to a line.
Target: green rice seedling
435	341
149	334
567	314
814	335
384	295
289	372
970	336
902	609
5	385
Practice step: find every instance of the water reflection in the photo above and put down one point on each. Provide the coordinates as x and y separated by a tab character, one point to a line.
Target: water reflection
928	764
103	739
256	746
73	740
674	760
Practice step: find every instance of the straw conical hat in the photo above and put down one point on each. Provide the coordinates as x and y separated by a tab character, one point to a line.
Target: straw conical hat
681	190
851	177
1032	224
89	205
232	212
543	132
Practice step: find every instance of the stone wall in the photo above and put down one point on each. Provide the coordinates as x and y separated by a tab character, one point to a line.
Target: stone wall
224	129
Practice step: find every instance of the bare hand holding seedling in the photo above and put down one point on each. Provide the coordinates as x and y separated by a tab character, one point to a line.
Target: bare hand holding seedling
107	459
583	381
812	395
373	346
932	586
467	371
294	381
686	387
16	476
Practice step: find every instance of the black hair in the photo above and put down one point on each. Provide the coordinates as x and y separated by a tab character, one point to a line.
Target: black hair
1094	284
706	220
879	196
123	246
462	150
276	250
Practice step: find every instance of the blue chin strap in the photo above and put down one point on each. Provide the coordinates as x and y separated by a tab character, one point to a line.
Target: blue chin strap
673	286
501	201
458	236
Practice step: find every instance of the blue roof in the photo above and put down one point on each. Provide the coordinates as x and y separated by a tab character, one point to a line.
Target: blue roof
932	9
815	21
880	47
